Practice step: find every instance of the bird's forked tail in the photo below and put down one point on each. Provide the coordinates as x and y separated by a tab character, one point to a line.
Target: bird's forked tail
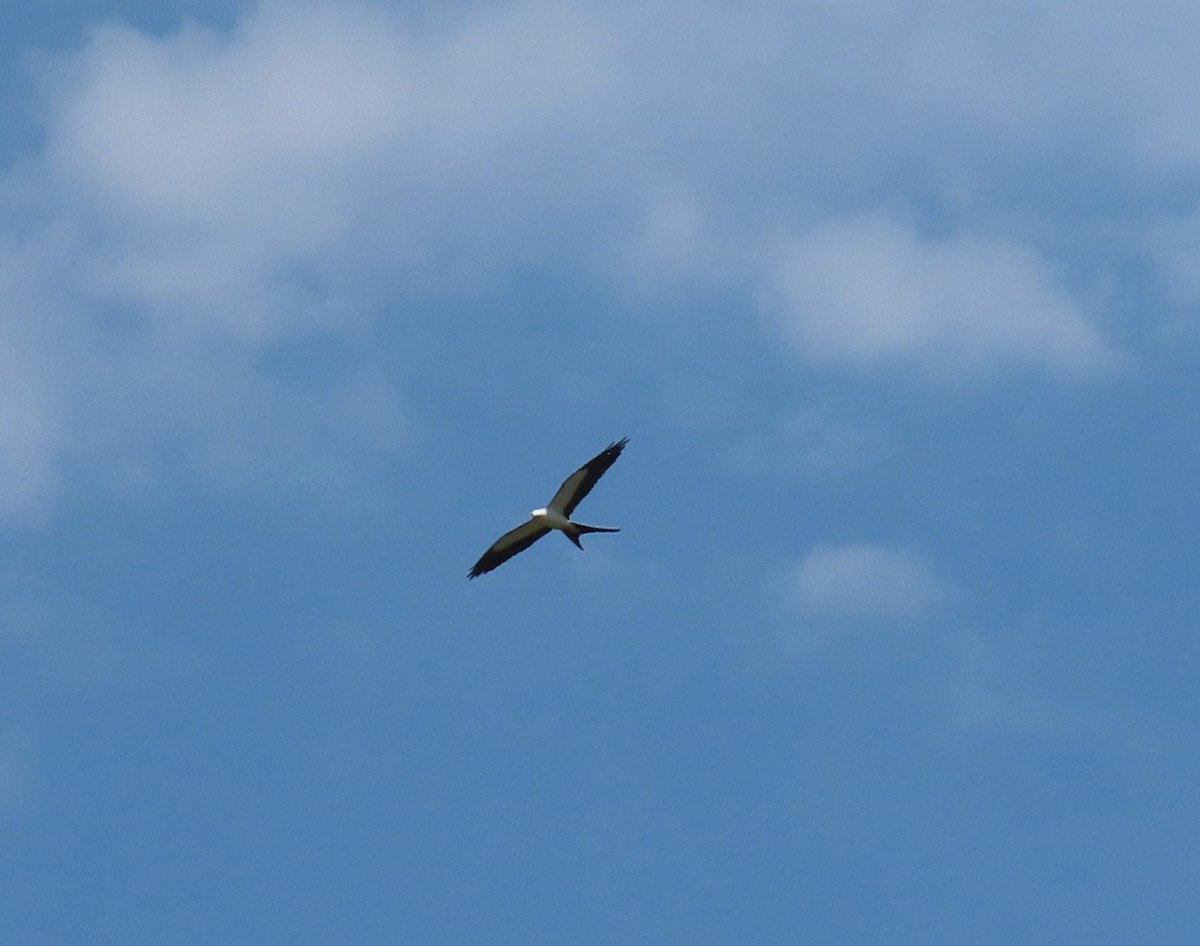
578	529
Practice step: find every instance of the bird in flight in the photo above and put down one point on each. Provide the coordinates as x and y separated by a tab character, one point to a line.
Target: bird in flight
556	515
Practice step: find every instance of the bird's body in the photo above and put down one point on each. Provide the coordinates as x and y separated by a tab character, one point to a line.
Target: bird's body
552	518
555	515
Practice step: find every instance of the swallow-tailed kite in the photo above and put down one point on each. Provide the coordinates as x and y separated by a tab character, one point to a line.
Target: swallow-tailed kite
556	515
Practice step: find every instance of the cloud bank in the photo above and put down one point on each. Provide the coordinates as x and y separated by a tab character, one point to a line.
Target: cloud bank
908	189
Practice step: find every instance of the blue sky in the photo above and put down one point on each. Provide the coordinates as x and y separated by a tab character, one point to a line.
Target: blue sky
305	303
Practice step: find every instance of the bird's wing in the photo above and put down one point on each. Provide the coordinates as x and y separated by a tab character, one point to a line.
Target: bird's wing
514	541
580	483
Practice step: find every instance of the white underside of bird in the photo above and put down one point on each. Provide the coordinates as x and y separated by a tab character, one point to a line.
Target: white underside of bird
551	518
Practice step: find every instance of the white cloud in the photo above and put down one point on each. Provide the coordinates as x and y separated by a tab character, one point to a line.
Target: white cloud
130	404
226	190
869	292
216	175
205	195
225	175
196	203
317	132
866	582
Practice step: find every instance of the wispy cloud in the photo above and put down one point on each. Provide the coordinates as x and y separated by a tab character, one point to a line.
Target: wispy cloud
218	175
204	197
197	204
991	690
215	191
866	582
870	292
